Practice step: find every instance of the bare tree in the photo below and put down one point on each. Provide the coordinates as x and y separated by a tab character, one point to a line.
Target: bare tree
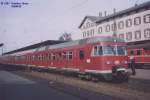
65	37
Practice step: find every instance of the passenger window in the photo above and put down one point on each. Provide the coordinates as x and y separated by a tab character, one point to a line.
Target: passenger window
70	55
131	52
95	50
138	52
100	50
81	53
64	55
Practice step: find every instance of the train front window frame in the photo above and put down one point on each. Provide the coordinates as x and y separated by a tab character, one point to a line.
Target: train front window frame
109	50
97	50
121	50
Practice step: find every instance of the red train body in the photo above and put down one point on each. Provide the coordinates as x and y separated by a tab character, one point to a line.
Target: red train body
97	56
141	56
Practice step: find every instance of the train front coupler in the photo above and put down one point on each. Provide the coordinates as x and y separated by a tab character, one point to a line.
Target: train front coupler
120	73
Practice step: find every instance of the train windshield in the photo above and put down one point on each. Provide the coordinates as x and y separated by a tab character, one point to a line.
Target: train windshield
109	50
114	50
121	50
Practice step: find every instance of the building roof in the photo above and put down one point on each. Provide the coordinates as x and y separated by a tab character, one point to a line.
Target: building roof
134	8
44	43
97	19
92	18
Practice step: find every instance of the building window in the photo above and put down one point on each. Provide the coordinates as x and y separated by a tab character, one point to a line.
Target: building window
129	36
88	34
121	36
92	32
121	25
100	30
113	27
128	23
84	34
147	33
147	18
107	28
137	20
87	25
137	35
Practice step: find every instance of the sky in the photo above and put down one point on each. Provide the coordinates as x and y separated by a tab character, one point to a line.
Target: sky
41	20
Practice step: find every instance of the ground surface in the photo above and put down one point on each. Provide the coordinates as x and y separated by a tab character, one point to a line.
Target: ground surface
32	85
17	87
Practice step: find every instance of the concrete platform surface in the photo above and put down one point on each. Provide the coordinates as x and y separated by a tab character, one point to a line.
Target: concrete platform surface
9	78
17	86
141	74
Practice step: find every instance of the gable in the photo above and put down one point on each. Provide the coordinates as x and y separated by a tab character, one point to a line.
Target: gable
88	19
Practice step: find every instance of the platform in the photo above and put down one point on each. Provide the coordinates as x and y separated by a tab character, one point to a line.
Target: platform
141	74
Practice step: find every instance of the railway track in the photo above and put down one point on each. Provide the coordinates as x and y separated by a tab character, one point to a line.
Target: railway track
133	90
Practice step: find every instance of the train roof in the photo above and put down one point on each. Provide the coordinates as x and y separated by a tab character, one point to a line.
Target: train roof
86	41
139	44
67	44
34	46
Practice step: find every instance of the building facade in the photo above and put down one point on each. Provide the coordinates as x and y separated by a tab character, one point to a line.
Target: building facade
132	24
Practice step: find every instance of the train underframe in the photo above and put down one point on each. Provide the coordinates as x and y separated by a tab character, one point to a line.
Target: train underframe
115	75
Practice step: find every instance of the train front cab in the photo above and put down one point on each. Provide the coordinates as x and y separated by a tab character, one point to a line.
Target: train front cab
111	61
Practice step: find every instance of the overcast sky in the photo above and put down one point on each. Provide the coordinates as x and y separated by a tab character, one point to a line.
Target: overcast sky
42	20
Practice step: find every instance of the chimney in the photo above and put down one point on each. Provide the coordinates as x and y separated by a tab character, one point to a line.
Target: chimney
105	13
100	14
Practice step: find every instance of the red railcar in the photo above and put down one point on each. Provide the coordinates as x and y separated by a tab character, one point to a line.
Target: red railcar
141	54
91	57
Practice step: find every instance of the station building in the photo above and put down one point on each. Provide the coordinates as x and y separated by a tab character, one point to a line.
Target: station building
132	24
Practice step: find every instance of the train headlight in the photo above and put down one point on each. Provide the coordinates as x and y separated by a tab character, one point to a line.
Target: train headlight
108	62
125	62
117	62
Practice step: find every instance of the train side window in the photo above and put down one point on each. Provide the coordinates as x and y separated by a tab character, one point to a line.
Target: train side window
70	55
39	57
95	50
64	55
131	52
138	52
81	54
100	52
59	56
53	56
49	56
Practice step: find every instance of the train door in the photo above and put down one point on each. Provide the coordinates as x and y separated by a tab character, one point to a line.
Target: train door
81	59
